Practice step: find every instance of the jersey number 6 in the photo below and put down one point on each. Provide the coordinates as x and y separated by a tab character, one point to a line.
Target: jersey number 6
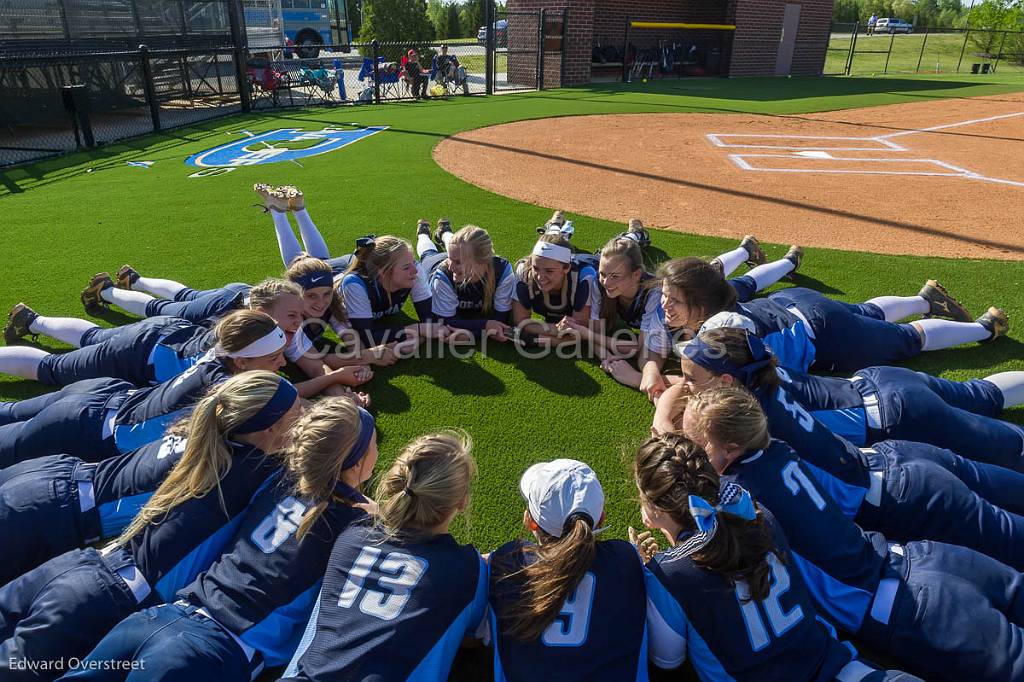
398	573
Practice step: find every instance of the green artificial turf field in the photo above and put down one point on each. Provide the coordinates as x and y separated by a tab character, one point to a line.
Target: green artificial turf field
62	224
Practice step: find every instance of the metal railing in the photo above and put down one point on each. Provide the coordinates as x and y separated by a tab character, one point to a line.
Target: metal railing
853	50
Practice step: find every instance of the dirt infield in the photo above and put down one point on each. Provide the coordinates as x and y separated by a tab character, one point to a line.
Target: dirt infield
937	178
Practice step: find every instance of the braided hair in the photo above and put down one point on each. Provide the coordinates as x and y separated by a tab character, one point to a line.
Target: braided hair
672	467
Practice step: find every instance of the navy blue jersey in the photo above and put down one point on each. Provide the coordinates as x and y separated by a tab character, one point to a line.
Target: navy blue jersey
835	402
145	415
182	345
644	313
265	585
728	636
580	644
171	551
830	457
841	564
392	609
366	302
782	328
452	301
581	279
122	484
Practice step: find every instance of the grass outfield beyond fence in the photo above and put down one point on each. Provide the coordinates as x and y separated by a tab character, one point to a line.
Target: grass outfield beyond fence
941	54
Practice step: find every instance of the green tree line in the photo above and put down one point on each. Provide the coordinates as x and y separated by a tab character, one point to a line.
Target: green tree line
1000	15
417	20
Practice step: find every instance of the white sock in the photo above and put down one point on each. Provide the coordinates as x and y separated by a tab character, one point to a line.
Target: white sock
133	302
897	308
21	361
770	273
939	334
68	330
446	238
286	241
311	237
424	244
161	288
1011	385
731	260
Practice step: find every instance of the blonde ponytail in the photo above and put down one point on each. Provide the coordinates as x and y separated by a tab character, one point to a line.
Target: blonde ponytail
320	441
207	457
428	482
476	246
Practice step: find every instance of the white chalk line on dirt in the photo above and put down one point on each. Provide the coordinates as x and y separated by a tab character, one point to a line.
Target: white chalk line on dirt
739	160
950	125
715	139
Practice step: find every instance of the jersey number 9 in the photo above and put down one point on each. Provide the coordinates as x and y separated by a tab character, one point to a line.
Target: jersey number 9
572	624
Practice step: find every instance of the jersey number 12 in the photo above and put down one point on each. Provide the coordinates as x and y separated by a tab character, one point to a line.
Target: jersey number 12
778	619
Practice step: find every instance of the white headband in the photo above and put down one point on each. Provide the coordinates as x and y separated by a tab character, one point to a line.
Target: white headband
557	252
271	343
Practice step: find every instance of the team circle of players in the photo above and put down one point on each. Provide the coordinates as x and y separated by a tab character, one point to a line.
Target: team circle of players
178	511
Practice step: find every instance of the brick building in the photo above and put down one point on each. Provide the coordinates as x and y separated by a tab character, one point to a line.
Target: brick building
758	47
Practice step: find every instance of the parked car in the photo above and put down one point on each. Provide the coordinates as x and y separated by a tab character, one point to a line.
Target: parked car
500	34
892	25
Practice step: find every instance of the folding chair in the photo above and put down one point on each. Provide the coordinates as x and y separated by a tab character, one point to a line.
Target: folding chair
265	81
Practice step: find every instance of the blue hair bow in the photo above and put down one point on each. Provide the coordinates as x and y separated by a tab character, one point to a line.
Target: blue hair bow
368	240
732	499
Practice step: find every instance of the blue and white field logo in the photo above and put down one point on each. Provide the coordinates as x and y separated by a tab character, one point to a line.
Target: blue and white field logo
286	144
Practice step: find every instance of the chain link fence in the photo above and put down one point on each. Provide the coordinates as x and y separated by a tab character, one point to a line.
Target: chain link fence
852	50
80	73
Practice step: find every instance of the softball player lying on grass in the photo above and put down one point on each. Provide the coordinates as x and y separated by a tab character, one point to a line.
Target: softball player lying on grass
805	329
630	294
905	489
894	402
727	571
947	612
366	286
471	288
77	503
250	607
553	598
160	348
99	418
64	607
400	594
554	283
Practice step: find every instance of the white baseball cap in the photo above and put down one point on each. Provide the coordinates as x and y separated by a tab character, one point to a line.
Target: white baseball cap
719	320
728	319
557	489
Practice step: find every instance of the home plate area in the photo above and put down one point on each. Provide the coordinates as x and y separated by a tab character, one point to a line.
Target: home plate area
836	154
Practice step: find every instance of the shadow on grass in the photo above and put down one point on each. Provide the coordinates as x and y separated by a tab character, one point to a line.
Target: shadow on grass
466	377
562	376
774	89
980	356
799	279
